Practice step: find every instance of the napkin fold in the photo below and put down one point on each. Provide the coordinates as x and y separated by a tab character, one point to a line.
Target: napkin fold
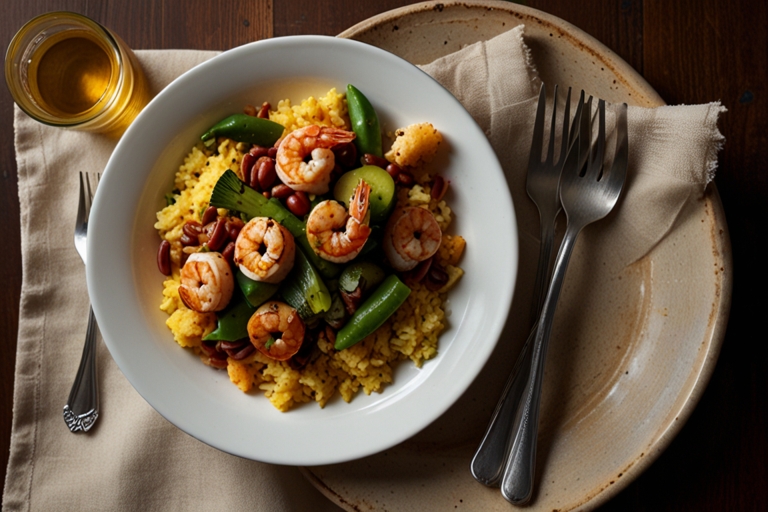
672	149
134	459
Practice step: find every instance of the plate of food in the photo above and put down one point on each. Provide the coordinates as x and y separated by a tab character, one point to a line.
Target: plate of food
288	264
631	352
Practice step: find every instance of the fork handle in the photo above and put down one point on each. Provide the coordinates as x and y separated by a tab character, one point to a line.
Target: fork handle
517	482
82	407
491	455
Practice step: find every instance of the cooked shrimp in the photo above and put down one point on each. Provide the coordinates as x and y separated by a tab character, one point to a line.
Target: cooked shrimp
207	282
336	235
280	323
313	176
412	235
264	250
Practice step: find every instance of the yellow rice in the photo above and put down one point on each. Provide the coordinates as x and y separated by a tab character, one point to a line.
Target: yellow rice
411	333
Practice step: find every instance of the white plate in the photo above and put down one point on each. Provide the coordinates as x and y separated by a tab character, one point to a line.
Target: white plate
125	285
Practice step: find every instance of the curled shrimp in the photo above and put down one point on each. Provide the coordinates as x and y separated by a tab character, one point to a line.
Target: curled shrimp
336	235
412	235
264	250
276	330
207	282
315	141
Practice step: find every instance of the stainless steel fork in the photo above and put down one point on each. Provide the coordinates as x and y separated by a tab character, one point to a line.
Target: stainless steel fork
586	197
543	189
82	407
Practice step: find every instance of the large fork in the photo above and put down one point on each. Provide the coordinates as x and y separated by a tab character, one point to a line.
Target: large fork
542	187
82	407
586	197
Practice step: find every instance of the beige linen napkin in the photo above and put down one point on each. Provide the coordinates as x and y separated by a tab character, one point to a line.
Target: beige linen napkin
134	459
672	155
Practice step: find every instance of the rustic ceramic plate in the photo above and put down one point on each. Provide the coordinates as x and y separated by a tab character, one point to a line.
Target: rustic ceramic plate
620	384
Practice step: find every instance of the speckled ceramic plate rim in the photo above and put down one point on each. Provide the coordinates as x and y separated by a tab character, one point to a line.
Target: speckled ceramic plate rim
645	96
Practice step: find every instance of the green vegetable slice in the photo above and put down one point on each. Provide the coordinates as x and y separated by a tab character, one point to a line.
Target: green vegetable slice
304	290
244	128
365	122
362	273
232	321
382	303
256	292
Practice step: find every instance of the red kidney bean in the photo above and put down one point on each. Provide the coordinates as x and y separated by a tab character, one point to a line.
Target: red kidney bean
298	203
282	191
184	258
232	345
259	151
234	226
345	154
246	165
266	194
242	353
192	228
301	358
188	241
218	235
164	258
405	178
417	274
394	170
219	363
439	187
229	253
208	348
369	159
253	178
272	152
264	111
436	278
250	110
352	300
216	356
266	172
209	215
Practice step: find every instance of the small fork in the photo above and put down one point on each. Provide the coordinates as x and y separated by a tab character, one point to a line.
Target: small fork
586	197
82	407
542	186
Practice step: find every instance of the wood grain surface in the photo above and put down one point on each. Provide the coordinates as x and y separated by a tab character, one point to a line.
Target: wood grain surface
691	51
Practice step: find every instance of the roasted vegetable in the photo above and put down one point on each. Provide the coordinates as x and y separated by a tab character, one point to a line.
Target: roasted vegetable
365	122
244	128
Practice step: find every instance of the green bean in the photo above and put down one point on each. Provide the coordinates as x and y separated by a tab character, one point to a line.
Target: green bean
365	122
382	303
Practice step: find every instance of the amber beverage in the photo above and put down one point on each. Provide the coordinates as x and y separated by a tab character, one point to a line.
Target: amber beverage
66	70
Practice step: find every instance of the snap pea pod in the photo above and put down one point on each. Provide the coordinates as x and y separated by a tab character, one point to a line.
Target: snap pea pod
233	194
244	128
233	321
365	122
256	292
382	303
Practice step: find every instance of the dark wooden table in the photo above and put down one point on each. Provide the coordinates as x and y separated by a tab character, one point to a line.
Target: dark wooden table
691	51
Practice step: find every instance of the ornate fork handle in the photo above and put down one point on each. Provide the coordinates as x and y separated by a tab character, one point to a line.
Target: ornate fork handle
82	407
517	482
